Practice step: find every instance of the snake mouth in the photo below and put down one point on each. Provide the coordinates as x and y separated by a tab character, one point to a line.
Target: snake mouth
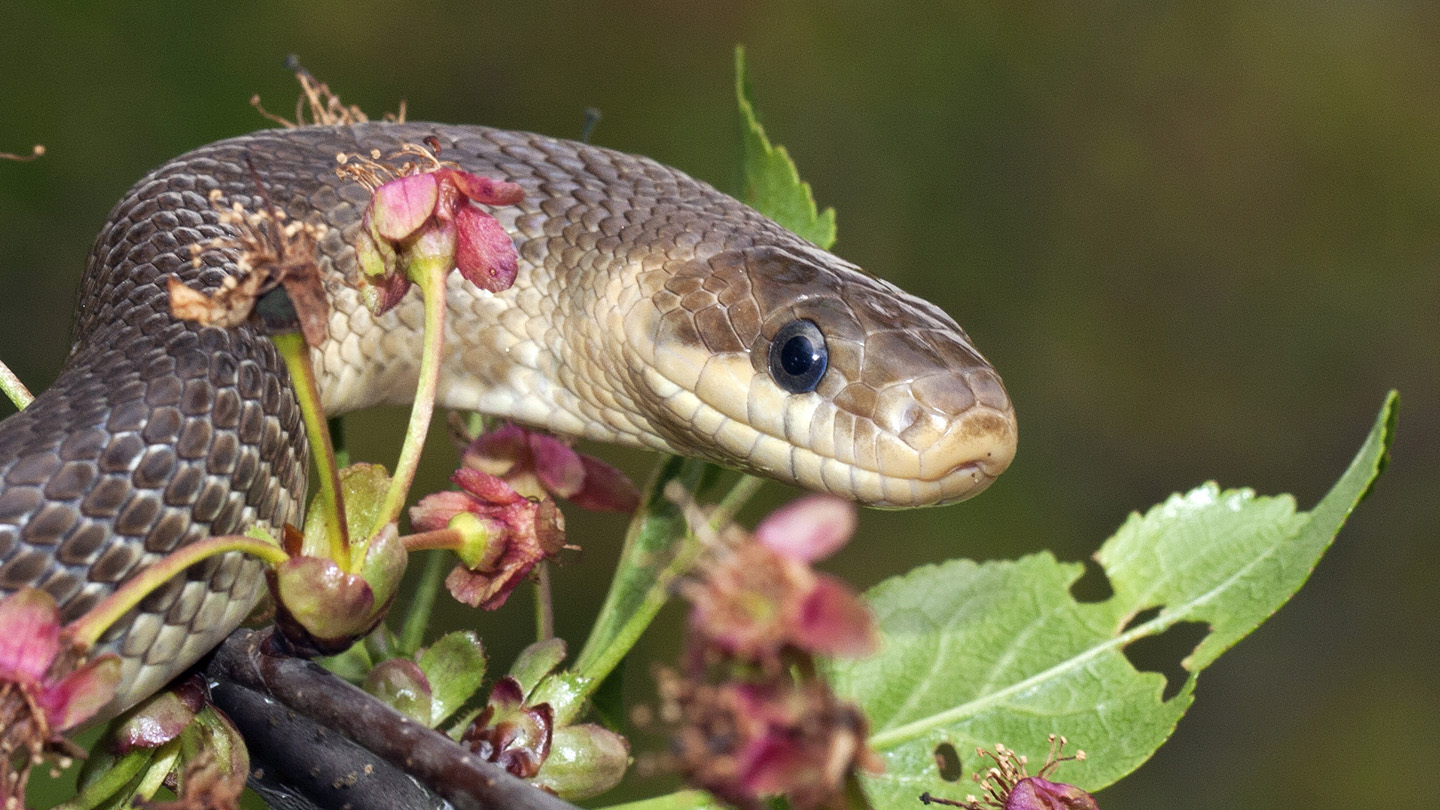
969	464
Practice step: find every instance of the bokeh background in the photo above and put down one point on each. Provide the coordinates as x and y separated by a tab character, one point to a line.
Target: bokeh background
1198	238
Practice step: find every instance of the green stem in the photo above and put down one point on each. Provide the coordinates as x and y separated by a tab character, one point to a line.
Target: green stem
86	630
431	280
679	800
735	500
544	607
445	539
13	388
600	665
417	619
302	376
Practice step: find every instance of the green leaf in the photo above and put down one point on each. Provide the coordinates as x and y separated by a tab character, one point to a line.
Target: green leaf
536	661
455	667
770	182
362	488
976	654
566	692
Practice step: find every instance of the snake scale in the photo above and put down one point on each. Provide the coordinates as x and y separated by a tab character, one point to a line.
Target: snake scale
651	310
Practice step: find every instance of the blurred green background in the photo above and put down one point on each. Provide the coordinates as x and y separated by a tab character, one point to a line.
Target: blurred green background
1198	239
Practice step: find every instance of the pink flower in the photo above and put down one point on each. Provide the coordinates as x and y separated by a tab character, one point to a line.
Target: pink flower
507	535
763	597
746	740
32	662
42	692
536	463
431	217
1036	793
1008	786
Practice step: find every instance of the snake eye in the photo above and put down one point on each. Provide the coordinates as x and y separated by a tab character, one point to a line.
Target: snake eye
798	357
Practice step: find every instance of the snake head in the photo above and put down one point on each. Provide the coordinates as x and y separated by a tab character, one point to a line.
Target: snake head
791	363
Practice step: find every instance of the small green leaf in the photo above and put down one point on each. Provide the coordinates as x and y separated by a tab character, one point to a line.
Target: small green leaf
455	667
566	693
976	654
770	182
535	662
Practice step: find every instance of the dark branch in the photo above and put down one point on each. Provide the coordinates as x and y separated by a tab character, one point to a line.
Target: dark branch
436	761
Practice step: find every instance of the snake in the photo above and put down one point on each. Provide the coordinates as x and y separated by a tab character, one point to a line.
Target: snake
650	310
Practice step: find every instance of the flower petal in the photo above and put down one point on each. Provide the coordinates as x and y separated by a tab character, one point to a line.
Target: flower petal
556	464
835	621
606	489
476	590
402	205
29	634
499	451
1058	794
82	693
484	253
435	511
810	528
487	488
487	190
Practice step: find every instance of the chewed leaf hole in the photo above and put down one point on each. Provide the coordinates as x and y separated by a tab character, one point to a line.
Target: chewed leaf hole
1093	585
947	760
1163	653
1140	618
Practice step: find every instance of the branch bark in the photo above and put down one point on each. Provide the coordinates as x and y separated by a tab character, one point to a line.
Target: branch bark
247	659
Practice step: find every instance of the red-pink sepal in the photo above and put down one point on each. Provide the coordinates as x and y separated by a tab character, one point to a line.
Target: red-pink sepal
31	641
536	463
809	528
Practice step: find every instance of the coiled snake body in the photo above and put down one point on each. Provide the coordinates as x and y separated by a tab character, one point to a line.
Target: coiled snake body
650	310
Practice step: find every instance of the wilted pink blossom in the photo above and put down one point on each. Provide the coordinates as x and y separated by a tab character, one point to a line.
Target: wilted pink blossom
509	733
1008	786
762	597
42	692
511	536
30	650
432	217
745	740
536	463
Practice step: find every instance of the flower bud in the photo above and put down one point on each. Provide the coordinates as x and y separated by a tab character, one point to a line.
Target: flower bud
585	760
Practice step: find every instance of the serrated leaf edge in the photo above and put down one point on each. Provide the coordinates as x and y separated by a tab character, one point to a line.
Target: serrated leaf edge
1368	456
